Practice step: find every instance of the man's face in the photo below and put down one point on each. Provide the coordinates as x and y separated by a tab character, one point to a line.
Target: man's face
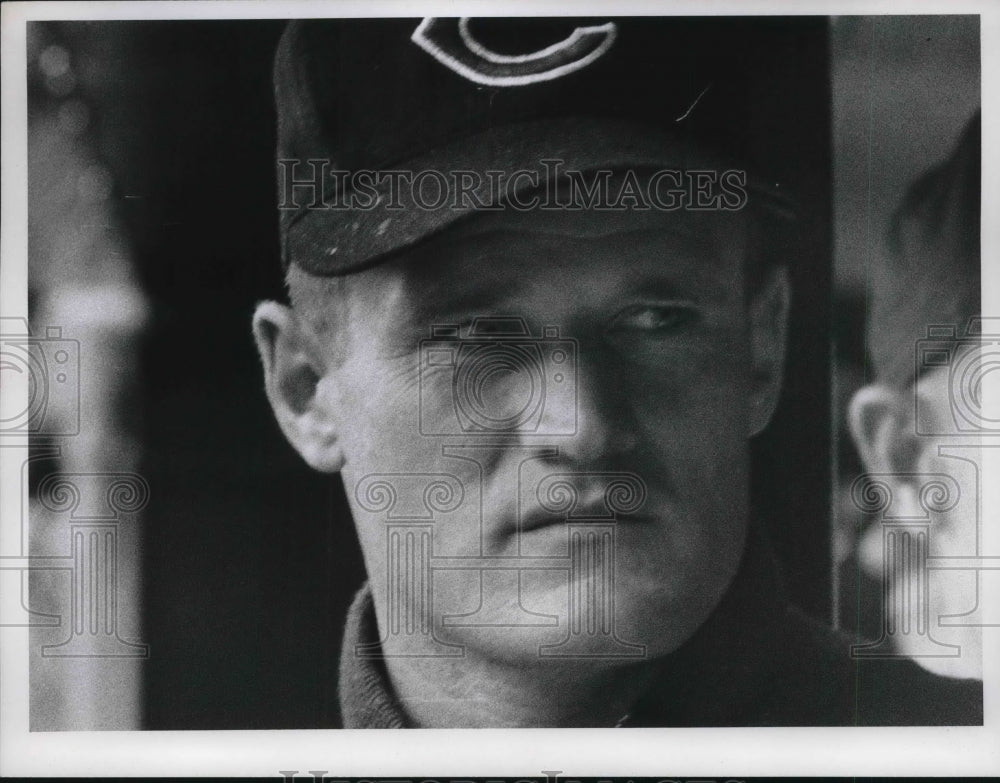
652	328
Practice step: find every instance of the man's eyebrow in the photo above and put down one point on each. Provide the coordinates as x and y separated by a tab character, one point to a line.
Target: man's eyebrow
471	290
656	286
481	291
448	300
483	301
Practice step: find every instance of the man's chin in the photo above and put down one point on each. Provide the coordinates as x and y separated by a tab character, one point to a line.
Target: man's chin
534	616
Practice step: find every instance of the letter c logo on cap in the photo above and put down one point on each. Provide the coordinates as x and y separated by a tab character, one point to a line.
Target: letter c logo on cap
450	42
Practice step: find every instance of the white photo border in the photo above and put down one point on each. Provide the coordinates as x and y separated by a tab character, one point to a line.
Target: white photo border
704	752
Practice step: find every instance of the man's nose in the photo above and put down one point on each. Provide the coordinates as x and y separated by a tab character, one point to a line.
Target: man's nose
594	416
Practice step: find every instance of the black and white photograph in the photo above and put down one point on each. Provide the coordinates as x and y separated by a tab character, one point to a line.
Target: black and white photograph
566	367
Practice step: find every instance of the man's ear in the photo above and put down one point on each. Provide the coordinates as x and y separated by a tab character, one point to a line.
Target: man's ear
768	338
883	430
293	368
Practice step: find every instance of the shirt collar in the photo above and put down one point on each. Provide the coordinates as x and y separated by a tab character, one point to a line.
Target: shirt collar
366	698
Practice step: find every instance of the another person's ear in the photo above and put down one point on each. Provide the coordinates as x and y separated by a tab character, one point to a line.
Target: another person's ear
768	338
882	429
881	425
294	368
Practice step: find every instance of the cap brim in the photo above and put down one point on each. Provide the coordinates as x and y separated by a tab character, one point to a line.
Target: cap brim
353	231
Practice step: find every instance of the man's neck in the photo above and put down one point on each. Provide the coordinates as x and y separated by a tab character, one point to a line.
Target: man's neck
707	677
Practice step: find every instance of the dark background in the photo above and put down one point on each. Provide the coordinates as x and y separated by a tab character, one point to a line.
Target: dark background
249	558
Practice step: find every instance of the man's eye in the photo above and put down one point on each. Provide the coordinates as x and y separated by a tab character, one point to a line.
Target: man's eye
653	319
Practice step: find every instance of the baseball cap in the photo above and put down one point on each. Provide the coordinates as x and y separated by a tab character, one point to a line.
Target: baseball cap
476	96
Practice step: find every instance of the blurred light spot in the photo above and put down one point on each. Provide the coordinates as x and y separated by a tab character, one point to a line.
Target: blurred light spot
61	85
73	117
54	61
94	184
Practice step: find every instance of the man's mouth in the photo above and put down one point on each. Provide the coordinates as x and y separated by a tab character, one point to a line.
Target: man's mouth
537	518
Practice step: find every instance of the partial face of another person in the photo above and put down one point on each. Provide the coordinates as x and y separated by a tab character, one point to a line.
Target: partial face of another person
644	359
887	424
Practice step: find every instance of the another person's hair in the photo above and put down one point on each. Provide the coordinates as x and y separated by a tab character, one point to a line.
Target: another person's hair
929	274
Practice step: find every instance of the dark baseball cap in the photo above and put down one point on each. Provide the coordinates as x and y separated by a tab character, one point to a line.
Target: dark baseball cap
506	95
